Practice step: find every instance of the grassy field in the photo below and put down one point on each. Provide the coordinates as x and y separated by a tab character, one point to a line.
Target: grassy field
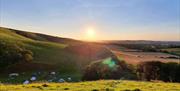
101	85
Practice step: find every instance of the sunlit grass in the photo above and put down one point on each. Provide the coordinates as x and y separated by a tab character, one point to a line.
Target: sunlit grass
102	85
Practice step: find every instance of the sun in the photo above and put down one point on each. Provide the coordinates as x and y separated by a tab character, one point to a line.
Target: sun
90	34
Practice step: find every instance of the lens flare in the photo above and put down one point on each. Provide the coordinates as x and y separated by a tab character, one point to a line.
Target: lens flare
110	63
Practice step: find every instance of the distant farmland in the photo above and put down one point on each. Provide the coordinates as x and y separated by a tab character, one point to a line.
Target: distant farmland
136	57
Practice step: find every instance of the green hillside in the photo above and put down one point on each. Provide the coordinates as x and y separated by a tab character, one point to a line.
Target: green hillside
49	53
43	52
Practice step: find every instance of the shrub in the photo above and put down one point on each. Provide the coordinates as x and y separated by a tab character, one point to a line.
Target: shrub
170	72
109	68
149	70
156	70
11	53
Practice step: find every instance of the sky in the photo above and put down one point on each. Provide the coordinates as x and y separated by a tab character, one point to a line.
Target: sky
109	19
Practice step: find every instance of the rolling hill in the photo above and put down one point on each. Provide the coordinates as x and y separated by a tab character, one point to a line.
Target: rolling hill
51	53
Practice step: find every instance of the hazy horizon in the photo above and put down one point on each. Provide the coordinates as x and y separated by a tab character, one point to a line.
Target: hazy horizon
95	19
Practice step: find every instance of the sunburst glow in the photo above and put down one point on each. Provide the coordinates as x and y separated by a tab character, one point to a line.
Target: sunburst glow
90	34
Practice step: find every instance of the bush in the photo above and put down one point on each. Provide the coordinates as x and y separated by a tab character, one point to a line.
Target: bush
109	68
156	70
149	70
170	72
11	53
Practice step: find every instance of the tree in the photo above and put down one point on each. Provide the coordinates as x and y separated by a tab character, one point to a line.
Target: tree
12	53
149	70
155	70
170	72
109	68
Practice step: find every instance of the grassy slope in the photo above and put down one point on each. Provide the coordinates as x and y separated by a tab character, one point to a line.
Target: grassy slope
53	50
45	52
102	85
51	54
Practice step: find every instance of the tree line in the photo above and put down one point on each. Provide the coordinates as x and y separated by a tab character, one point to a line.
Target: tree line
146	71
